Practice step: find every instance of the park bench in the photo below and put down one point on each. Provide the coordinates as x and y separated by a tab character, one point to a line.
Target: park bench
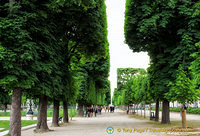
60	119
152	116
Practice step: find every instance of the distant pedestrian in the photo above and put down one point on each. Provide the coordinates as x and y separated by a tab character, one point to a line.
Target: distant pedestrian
105	108
100	110
111	109
91	111
88	111
95	111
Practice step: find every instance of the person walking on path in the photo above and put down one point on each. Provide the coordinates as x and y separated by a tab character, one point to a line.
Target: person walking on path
91	111
100	110
88	111
95	111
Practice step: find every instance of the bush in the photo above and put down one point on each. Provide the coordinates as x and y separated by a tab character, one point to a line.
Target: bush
50	112
193	110
4	114
175	109
160	109
189	110
178	109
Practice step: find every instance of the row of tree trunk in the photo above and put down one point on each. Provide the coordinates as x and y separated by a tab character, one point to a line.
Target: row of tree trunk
42	114
165	112
15	117
80	110
55	121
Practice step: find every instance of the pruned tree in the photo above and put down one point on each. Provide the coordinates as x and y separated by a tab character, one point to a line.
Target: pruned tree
183	91
167	30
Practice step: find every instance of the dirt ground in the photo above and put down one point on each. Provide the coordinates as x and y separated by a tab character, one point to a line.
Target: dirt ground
122	124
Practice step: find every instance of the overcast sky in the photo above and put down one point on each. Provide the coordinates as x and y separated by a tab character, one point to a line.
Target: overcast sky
120	54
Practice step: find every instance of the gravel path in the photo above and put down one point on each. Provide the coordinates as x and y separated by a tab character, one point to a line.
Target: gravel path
97	126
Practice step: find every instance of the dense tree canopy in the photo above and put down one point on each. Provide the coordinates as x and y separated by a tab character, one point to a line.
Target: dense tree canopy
168	31
132	86
47	50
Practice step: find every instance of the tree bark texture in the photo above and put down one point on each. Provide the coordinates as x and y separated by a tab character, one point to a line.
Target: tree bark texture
183	114
15	116
42	114
150	110
144	111
5	107
80	110
11	5
165	113
55	120
157	111
65	112
71	112
128	109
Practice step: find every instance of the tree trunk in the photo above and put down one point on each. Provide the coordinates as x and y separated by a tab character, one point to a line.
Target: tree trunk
65	112
134	108
5	107
42	114
15	116
141	109
150	110
55	120
80	110
11	5
157	111
71	112
165	112
137	109
144	111
184	122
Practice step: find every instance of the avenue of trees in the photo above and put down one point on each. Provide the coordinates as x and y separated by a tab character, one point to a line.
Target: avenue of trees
132	87
169	32
55	51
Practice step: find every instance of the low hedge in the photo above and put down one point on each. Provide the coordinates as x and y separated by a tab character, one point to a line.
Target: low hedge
7	114
175	109
193	110
49	113
178	109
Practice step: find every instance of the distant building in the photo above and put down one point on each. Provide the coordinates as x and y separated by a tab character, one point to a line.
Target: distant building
176	104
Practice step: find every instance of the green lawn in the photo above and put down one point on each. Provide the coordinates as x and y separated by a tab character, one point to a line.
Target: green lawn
49	113
5	123
7	114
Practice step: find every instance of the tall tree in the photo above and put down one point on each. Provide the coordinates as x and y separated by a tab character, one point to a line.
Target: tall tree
17	53
182	91
167	31
35	55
